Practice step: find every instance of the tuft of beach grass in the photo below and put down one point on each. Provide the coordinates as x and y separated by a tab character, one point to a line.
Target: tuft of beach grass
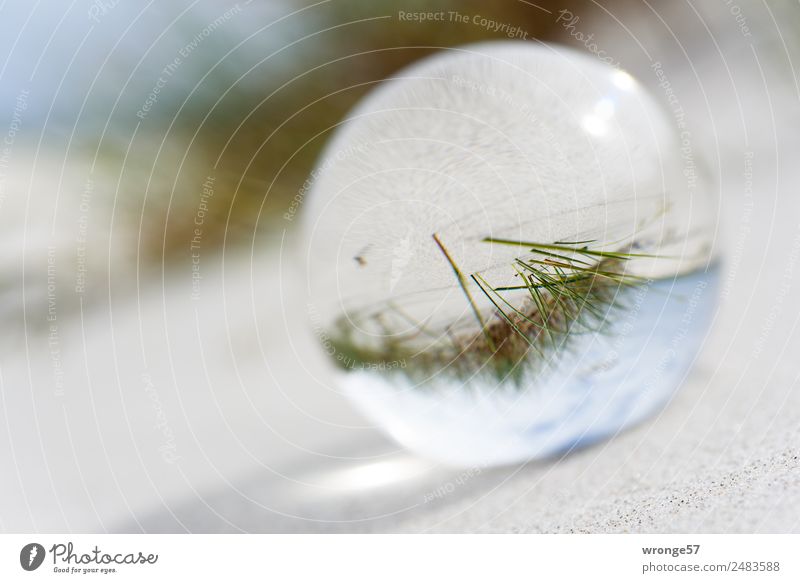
573	287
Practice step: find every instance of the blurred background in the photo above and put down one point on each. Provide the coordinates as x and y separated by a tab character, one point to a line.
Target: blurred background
157	369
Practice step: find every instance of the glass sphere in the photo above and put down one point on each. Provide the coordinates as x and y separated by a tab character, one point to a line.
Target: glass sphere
509	253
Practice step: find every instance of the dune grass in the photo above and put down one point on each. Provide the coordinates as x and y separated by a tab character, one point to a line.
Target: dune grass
573	287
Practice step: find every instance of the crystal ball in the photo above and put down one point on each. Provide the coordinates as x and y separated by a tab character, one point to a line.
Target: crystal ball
509	253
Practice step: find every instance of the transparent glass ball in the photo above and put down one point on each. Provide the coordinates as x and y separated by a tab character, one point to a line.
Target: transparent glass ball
509	253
